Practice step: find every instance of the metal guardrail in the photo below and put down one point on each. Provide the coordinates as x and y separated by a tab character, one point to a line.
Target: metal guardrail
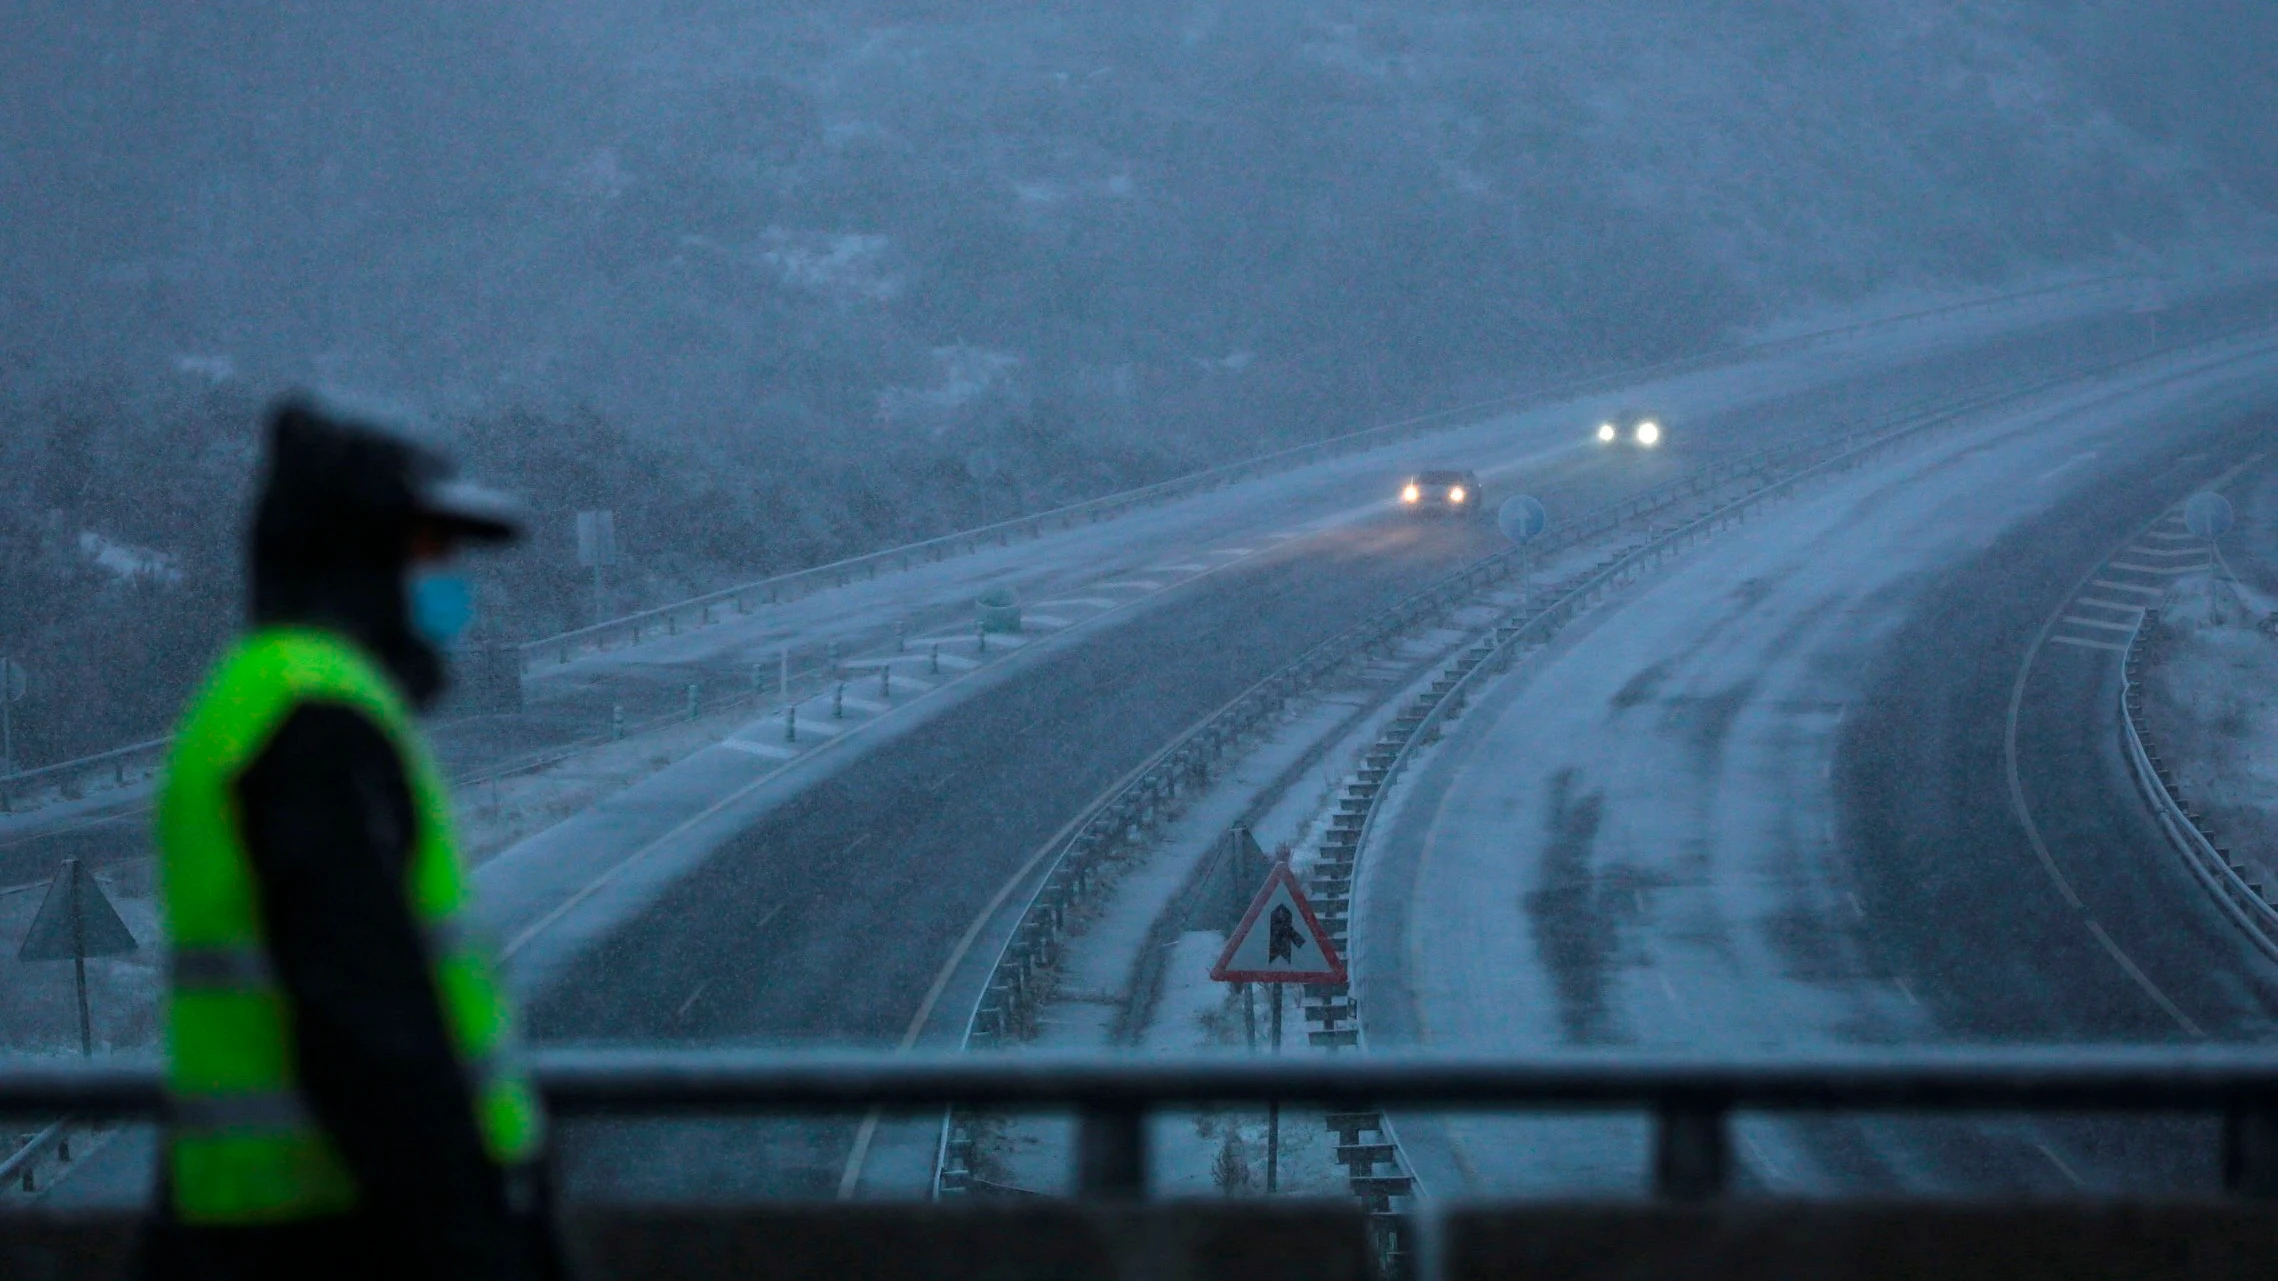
2212	865
1690	1099
143	759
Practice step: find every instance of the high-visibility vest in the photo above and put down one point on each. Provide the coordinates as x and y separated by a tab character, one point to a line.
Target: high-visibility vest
242	1146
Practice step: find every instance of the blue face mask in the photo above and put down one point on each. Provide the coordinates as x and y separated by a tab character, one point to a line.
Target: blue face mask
442	604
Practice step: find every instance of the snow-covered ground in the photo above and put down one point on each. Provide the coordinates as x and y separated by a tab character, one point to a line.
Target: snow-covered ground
2211	703
1631	841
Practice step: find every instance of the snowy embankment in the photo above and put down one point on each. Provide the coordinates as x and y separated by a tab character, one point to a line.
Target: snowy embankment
2211	705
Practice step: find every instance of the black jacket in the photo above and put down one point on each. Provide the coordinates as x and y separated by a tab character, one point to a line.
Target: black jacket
327	818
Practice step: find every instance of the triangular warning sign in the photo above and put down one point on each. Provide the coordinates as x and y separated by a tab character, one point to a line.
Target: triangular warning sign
75	920
1279	939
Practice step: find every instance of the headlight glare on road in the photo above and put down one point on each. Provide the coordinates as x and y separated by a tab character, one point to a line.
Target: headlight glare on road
1606	432
1649	434
1411	494
1455	495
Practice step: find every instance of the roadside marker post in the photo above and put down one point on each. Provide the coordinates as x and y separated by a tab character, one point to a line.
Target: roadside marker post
1279	941
75	922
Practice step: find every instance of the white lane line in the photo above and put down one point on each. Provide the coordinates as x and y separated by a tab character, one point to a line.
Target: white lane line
1088	602
2171	536
2122	606
773	751
2169	552
1188	568
2070	463
2078	643
2058	1162
1135	584
1855	905
2127	587
1906	991
1234	551
2150	988
1045	620
2077	621
2156	569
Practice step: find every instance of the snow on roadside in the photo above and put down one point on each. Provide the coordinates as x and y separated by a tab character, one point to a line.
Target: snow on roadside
2211	707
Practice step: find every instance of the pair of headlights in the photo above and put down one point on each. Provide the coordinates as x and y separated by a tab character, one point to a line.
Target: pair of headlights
1415	494
1648	433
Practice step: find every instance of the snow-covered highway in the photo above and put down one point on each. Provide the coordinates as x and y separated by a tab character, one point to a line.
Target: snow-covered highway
1763	802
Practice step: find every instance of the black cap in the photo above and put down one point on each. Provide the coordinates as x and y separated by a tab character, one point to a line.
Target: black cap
374	474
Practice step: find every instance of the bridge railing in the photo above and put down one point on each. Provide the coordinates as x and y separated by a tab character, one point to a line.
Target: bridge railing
1689	1100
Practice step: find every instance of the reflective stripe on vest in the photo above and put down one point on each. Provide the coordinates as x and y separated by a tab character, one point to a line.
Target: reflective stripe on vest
243	1147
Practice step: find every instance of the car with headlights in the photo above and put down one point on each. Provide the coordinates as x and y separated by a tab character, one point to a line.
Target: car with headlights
1443	493
1632	430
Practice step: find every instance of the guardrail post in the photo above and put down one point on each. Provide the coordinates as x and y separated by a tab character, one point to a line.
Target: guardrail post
692	700
933	664
616	722
885	680
1692	1148
838	701
790	722
901	636
2250	1150
980	637
1111	1152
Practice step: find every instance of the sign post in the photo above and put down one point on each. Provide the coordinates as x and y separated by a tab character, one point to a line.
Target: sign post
13	686
597	550
1279	941
75	922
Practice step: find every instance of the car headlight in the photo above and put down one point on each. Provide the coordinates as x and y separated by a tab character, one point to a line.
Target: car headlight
1411	494
1606	432
1455	495
1649	434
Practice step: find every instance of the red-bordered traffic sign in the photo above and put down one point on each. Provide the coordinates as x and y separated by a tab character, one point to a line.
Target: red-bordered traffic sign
1279	939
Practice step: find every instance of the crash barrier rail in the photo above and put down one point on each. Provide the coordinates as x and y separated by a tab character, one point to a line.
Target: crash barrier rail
139	761
1690	1100
1031	949
2244	900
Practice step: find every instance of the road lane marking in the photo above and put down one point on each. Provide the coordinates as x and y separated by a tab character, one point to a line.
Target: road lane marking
1088	602
2058	1162
2143	981
2078	643
1176	569
2024	808
1135	584
2155	569
1044	620
2101	603
2127	587
1234	551
2169	552
771	750
1906	991
682	1012
2078	621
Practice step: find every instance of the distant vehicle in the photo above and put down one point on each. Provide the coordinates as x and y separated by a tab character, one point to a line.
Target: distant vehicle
1450	493
1644	431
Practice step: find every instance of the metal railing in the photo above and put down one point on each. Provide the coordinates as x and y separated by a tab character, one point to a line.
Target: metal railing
2245	901
1690	1100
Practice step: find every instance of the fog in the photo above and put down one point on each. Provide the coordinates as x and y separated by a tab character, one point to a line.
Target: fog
766	278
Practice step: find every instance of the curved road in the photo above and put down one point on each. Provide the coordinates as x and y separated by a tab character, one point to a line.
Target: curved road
1764	802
